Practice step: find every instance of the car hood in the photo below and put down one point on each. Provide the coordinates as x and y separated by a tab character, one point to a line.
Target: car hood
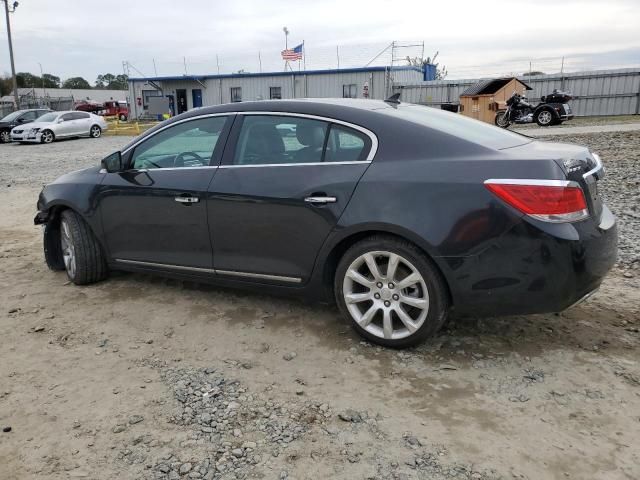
39	125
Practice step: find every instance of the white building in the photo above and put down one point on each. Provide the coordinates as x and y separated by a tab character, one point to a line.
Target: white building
190	91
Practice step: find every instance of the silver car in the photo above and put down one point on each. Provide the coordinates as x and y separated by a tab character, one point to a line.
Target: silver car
54	125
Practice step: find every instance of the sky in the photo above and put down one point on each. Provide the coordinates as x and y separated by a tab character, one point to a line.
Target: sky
474	38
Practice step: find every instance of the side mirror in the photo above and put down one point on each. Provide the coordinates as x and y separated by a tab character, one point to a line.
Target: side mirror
60	120
112	163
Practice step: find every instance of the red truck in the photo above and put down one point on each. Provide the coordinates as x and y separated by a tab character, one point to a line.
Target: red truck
110	108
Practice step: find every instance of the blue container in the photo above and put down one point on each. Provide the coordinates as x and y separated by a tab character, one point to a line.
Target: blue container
429	72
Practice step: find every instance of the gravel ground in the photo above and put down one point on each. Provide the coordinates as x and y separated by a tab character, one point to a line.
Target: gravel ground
143	377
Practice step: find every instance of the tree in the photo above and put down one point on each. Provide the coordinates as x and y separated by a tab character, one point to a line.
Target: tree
531	74
50	81
441	72
112	82
28	80
76	82
6	85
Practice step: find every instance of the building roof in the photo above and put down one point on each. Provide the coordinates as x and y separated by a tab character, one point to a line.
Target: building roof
492	85
272	74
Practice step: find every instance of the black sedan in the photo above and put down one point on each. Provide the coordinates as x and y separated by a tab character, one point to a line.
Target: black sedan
398	212
19	117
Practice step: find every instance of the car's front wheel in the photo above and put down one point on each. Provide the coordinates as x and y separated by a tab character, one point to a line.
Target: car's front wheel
95	131
390	291
47	136
81	253
5	136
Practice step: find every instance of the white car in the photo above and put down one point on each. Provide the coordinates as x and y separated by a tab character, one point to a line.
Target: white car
54	125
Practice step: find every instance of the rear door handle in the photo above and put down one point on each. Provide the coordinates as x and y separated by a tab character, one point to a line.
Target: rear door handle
187	200
320	200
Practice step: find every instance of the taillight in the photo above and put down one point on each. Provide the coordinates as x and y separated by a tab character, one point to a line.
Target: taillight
548	200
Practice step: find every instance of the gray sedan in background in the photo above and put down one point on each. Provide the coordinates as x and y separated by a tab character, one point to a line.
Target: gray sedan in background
54	125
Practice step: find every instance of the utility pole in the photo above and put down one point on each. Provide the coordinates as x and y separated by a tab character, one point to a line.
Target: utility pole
13	67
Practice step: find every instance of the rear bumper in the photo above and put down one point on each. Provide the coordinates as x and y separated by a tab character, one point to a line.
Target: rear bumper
536	268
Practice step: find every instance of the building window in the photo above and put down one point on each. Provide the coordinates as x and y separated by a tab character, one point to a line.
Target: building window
350	91
275	93
236	94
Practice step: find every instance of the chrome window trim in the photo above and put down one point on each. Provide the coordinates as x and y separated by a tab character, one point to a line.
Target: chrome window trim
197	117
372	136
355	162
234	273
533	181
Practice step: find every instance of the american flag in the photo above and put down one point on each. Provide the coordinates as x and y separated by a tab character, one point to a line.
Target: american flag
292	53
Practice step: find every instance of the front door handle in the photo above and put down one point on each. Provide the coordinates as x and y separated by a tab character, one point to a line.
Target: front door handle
187	200
320	200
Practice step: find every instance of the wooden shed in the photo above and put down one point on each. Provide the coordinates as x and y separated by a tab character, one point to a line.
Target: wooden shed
482	100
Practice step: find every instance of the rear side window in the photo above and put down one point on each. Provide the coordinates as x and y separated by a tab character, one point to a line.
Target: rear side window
271	139
458	125
346	145
80	115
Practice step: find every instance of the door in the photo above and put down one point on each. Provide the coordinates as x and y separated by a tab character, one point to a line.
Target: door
181	95
284	182
81	123
172	105
154	212
65	127
196	95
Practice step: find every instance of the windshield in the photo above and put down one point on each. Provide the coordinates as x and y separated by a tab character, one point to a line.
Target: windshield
47	117
11	117
458	125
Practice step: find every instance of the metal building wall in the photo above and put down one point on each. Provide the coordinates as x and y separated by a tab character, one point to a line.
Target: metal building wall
602	92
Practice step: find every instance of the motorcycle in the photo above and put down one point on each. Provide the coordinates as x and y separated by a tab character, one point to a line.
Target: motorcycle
553	109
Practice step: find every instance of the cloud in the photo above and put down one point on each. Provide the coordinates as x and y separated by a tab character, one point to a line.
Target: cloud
86	38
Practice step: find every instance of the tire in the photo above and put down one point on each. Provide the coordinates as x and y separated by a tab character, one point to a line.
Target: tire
501	121
428	293
544	117
47	136
82	255
5	136
52	249
122	117
95	131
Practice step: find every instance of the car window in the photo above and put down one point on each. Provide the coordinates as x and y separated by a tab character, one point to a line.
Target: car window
458	125
67	116
80	115
29	116
187	144
48	117
271	139
346	145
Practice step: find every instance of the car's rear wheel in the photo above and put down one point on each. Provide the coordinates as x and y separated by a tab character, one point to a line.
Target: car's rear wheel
95	131
47	136
81	253
5	136
390	291
122	117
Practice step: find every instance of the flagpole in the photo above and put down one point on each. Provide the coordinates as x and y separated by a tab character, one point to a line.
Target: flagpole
304	57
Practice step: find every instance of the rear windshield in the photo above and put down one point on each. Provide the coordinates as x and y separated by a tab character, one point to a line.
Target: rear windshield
458	125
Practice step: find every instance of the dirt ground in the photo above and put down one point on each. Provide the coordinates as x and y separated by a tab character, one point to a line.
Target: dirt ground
143	377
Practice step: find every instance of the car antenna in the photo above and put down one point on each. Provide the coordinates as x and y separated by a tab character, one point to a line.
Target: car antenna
395	99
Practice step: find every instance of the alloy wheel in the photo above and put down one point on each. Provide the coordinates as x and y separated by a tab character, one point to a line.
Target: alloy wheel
386	295
47	137
95	131
5	137
544	117
68	249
